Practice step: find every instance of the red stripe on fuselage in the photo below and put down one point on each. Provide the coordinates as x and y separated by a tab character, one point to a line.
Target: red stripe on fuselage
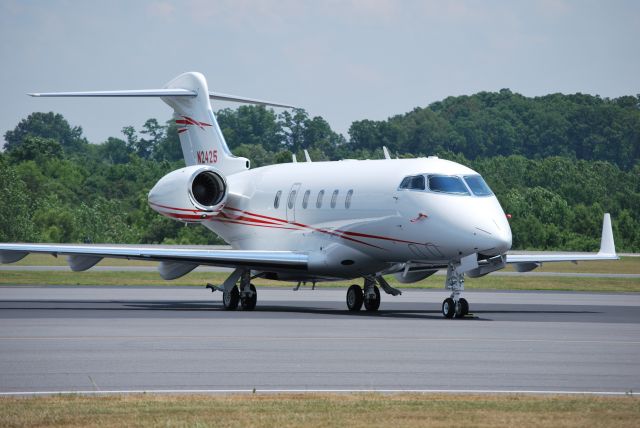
177	209
186	216
223	220
328	232
336	232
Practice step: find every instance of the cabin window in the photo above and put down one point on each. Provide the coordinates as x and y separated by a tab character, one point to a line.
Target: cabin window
305	199
319	200
477	185
415	182
276	201
292	199
347	201
334	198
447	184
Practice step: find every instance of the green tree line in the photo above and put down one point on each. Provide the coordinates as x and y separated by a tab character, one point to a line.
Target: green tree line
556	163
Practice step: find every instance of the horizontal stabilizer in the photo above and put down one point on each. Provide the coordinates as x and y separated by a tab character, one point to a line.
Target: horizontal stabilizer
130	93
174	92
237	99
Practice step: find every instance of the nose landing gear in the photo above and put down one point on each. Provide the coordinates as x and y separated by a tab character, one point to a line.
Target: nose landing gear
455	306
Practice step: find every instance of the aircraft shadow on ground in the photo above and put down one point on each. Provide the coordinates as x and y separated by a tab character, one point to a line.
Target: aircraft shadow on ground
217	308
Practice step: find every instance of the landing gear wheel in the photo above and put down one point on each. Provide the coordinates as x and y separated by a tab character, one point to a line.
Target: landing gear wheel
230	299
448	307
458	310
354	298
373	303
465	306
249	303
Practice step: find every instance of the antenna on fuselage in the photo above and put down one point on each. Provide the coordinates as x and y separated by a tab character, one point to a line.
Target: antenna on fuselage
294	159
386	152
306	156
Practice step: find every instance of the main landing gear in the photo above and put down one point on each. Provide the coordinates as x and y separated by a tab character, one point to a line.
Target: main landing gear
237	289
455	306
370	296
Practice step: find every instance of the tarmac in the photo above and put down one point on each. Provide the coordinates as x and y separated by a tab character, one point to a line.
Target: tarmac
178	339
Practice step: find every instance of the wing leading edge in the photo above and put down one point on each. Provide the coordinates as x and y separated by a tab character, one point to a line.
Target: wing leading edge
175	262
527	262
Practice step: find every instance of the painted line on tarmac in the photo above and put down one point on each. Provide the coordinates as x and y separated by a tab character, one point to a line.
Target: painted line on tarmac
318	391
312	339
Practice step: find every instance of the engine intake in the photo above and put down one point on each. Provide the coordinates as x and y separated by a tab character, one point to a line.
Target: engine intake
191	194
208	189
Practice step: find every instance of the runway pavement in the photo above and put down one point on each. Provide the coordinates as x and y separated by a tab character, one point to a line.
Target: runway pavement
180	338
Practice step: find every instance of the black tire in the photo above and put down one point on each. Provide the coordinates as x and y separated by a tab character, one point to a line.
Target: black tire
354	298
373	304
448	307
465	306
230	299
249	303
458	310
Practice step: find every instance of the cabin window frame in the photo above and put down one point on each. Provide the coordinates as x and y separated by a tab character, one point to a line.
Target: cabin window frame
320	198
334	198
291	201
347	199
276	201
305	199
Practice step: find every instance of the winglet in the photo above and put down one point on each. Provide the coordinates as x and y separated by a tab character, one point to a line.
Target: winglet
607	245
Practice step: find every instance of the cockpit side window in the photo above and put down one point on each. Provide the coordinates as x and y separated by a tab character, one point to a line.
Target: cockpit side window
447	184
415	182
477	185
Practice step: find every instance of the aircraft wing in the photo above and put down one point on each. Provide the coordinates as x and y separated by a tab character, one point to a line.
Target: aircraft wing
527	262
174	262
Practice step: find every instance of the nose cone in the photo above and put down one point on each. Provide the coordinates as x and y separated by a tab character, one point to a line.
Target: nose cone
466	225
493	233
502	239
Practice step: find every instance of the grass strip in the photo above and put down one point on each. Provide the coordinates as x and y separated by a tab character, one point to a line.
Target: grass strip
321	410
488	282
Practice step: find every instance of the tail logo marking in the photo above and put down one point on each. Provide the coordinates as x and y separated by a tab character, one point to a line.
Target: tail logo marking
186	120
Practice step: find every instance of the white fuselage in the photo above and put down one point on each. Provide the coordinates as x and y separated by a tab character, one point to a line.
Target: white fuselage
378	225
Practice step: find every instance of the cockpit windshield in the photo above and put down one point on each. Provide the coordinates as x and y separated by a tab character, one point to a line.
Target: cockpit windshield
415	182
447	184
477	185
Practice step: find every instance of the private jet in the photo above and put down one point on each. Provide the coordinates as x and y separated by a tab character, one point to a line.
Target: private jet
316	221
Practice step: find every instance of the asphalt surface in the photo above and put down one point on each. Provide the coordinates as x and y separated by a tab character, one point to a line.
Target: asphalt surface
166	339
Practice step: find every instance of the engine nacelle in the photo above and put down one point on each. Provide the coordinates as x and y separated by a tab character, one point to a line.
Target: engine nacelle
190	194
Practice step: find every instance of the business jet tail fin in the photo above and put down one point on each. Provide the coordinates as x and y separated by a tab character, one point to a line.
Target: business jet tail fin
200	136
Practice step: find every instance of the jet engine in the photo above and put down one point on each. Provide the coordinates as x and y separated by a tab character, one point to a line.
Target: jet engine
190	194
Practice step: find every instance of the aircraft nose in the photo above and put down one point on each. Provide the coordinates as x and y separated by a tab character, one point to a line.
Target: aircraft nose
495	239
502	240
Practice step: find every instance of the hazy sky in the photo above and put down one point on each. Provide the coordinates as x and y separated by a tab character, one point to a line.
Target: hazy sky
342	60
